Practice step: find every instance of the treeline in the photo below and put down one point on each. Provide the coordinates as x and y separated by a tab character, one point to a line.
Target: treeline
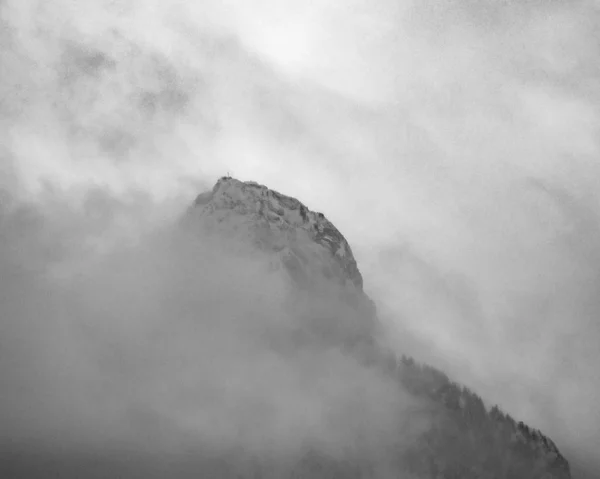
467	440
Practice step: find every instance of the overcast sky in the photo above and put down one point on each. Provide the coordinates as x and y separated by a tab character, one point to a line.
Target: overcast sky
456	144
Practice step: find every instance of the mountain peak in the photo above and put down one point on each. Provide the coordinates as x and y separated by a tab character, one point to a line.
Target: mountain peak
283	224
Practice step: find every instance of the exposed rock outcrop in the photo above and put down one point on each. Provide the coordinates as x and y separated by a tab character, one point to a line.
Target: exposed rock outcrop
304	243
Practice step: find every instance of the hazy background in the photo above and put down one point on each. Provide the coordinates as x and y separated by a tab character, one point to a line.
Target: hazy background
454	143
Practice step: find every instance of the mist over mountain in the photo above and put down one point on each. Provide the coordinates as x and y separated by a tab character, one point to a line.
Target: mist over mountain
455	145
236	341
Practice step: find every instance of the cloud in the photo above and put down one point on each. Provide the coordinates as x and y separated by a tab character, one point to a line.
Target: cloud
459	138
164	345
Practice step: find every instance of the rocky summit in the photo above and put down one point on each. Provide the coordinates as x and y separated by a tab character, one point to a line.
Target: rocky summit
465	438
301	242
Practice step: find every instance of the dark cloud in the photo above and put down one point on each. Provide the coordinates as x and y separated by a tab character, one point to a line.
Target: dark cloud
116	96
78	59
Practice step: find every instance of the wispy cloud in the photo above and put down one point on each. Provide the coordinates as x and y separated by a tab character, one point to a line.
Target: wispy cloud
466	130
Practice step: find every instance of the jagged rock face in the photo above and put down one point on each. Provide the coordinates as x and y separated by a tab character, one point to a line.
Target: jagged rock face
303	242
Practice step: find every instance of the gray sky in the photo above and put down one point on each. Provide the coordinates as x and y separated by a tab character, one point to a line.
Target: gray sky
455	143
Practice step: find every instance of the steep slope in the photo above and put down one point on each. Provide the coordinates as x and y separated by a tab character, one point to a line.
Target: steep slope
470	441
465	440
282	224
306	242
248	218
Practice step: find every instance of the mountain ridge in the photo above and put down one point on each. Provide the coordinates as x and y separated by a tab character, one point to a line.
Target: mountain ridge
309	248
